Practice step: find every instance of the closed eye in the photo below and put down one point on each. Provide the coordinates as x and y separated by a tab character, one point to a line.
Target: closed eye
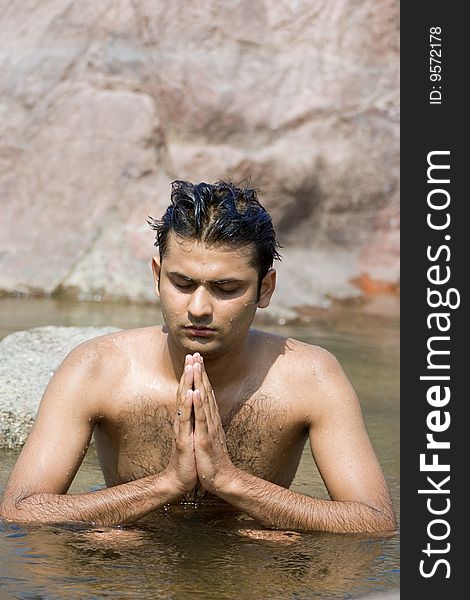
226	291
217	289
221	288
183	286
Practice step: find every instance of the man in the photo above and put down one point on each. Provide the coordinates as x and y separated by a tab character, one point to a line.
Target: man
204	410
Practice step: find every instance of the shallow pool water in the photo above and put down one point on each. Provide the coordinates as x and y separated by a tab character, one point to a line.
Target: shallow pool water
193	555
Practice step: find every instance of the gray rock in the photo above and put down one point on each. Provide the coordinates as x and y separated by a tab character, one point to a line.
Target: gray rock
28	359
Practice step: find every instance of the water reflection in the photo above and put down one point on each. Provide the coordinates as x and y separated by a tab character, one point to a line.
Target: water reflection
190	556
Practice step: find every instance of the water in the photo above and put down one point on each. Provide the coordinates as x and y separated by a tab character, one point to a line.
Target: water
191	555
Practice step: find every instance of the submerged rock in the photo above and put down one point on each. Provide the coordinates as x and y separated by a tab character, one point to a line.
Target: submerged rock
28	359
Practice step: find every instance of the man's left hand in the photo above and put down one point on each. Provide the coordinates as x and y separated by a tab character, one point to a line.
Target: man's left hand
213	462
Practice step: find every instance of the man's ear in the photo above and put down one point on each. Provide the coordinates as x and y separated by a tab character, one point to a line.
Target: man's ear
267	288
156	269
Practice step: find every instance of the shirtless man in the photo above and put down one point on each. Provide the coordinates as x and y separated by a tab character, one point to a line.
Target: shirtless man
205	409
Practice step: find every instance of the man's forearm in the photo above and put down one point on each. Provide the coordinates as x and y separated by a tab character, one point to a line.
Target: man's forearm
117	505
280	508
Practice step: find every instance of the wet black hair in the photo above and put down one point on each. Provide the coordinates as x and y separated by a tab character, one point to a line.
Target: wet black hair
219	214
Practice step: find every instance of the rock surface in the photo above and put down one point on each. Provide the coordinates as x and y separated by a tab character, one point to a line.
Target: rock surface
102	104
28	359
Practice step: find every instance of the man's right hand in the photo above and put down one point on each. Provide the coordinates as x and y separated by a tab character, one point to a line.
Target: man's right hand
181	468
36	491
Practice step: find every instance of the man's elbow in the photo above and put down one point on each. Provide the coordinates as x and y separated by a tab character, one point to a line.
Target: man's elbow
390	522
12	511
7	510
385	522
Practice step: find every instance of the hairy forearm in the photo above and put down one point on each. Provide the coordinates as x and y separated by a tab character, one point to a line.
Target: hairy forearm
279	508
117	505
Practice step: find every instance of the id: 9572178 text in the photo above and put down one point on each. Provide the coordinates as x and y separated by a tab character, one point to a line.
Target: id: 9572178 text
435	65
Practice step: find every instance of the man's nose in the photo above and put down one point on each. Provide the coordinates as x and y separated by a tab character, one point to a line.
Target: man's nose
200	305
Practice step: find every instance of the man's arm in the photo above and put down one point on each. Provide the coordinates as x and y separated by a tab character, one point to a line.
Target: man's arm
279	508
360	501
54	450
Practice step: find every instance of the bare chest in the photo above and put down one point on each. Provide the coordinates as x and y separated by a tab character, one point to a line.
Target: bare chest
264	438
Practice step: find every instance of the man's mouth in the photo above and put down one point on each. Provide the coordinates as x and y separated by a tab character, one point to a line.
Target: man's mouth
196	331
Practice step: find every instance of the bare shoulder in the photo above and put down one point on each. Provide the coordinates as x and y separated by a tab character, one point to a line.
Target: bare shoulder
311	374
311	357
117	343
109	355
296	357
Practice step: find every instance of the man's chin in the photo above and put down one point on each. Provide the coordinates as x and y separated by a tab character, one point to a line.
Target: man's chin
204	345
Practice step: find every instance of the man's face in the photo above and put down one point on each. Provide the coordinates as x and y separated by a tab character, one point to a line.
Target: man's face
208	294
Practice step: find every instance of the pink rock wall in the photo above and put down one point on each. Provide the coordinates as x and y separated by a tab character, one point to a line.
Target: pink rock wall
102	104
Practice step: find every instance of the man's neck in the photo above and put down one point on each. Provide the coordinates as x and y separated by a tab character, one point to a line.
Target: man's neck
223	369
